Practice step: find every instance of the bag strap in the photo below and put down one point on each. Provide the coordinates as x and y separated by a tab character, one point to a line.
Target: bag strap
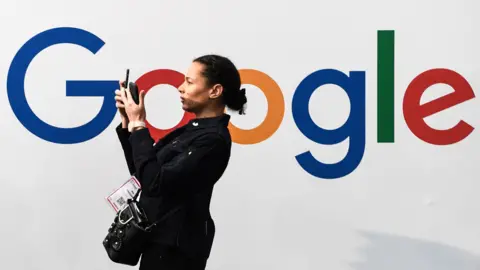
167	215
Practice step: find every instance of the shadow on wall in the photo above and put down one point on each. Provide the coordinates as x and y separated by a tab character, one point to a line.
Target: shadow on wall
388	252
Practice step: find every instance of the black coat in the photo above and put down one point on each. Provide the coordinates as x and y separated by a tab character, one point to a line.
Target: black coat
180	169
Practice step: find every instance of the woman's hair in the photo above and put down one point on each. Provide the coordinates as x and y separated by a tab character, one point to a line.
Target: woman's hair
220	70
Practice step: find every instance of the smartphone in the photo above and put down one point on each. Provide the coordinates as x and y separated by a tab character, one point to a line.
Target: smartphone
132	86
134	91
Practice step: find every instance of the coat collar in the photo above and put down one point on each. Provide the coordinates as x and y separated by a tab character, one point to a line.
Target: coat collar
216	121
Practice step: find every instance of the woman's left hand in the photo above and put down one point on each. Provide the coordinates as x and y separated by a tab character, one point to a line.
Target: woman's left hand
134	112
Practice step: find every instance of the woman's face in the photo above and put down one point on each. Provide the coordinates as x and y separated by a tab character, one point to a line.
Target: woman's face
195	95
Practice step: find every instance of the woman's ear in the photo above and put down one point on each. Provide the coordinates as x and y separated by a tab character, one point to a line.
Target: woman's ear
216	91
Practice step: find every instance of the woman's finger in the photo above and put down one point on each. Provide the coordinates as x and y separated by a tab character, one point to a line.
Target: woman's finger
119	105
120	83
123	96
142	98
128	94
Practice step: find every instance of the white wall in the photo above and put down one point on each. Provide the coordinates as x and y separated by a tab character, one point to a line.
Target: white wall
408	205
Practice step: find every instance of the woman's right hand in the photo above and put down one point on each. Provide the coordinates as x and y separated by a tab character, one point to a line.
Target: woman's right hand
120	106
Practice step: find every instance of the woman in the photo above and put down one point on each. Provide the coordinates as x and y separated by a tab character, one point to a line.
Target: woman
179	171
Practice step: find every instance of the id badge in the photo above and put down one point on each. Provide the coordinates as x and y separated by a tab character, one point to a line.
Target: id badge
119	197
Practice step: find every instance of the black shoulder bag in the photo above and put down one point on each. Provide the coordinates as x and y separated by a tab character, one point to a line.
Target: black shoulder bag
126	236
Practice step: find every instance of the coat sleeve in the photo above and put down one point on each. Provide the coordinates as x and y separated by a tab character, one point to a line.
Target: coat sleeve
123	136
197	168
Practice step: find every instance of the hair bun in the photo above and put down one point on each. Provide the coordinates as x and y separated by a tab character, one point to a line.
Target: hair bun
236	100
242	99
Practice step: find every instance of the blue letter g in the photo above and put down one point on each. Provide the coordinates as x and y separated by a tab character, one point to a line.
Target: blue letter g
353	129
16	88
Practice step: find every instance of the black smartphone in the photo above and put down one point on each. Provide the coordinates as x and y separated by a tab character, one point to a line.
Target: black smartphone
134	91
132	86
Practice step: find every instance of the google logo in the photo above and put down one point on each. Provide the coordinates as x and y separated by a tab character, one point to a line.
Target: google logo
353	84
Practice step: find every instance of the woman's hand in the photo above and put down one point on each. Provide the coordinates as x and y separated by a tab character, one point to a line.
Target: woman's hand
121	107
133	111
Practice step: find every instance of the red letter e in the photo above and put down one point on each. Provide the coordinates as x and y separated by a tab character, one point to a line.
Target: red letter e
415	113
